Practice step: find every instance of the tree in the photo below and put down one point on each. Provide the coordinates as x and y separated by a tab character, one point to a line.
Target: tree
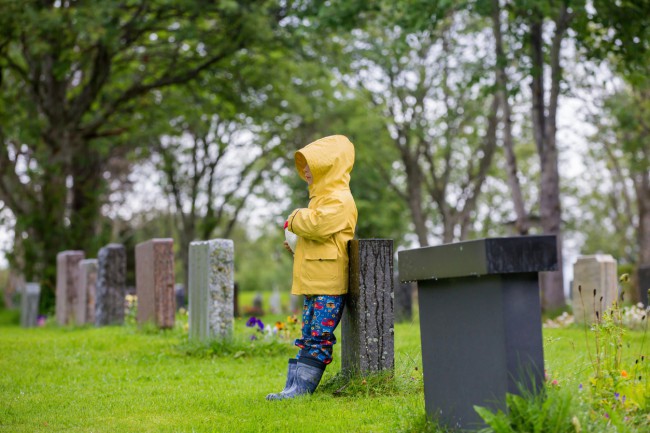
622	143
211	167
439	118
74	77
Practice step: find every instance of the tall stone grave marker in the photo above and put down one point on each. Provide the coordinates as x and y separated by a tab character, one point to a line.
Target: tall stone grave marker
155	283
87	285
67	275
111	285
367	326
593	273
29	305
211	291
480	322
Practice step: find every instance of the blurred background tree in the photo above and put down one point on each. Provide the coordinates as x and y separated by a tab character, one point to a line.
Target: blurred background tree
124	121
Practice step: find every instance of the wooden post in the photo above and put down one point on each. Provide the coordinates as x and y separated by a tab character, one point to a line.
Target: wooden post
367	327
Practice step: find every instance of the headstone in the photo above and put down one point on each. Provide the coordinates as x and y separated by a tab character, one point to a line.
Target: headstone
404	301
87	286
111	285
295	304
67	275
211	289
29	305
179	292
368	322
644	284
154	277
595	286
258	305
480	322
275	303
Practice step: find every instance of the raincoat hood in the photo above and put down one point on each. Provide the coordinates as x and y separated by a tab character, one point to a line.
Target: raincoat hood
330	161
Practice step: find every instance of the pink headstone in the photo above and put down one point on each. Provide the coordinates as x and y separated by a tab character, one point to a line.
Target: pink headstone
154	281
67	271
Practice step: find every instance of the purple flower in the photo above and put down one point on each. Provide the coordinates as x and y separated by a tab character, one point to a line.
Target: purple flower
616	395
254	321
580	387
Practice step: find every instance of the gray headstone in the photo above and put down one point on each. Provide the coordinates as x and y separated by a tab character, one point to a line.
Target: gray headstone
368	322
29	305
594	277
154	277
211	289
67	276
87	284
275	303
295	304
111	285
480	322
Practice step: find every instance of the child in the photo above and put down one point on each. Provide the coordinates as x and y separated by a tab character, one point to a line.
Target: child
320	264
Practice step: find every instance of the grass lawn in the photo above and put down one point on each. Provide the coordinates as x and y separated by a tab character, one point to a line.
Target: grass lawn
123	379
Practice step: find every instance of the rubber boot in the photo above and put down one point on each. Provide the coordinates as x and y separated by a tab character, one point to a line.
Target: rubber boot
291	374
308	376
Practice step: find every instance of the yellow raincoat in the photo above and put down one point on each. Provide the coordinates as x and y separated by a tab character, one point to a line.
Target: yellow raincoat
320	263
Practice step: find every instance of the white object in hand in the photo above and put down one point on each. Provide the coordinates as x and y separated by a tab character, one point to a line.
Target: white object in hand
292	239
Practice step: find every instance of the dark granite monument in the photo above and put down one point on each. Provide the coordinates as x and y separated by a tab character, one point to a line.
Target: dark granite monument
480	321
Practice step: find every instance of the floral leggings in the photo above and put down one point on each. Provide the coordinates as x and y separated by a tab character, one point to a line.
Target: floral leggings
321	315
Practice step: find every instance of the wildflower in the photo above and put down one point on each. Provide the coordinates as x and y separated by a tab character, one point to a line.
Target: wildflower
624	278
616	395
623	373
254	321
580	387
40	321
292	319
280	326
576	424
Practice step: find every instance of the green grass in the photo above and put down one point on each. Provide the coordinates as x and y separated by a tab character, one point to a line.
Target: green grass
122	379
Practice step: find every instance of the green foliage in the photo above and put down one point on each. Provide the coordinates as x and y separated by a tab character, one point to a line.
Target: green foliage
538	412
236	348
406	379
262	264
617	387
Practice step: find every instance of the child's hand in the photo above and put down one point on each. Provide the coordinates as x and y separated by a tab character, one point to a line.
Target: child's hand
287	247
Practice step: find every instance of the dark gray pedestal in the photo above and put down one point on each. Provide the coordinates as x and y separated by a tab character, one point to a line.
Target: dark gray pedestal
367	326
480	320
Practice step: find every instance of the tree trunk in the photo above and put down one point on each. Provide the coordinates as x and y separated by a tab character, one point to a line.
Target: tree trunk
544	129
522	224
414	194
642	186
